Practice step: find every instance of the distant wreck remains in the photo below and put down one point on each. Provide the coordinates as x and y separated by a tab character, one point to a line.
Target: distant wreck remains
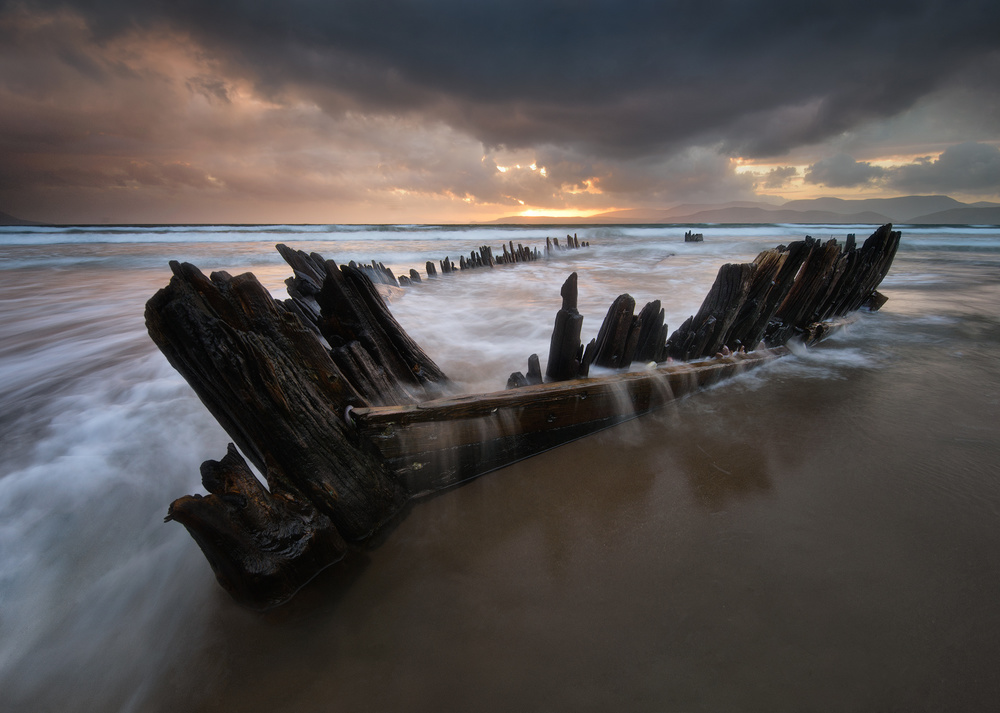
348	419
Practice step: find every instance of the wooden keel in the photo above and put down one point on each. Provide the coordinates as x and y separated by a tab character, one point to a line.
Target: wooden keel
443	442
440	443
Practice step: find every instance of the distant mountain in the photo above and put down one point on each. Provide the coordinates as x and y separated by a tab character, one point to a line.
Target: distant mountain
960	216
630	215
692	208
761	215
6	219
896	209
876	211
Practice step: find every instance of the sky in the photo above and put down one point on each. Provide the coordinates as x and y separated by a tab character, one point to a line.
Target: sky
453	111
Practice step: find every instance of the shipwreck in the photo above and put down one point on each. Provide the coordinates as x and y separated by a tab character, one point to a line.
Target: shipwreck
349	421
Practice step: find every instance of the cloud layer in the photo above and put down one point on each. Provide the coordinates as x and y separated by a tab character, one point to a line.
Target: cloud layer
967	168
413	107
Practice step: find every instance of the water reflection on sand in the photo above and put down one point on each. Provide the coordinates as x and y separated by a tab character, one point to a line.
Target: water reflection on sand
820	534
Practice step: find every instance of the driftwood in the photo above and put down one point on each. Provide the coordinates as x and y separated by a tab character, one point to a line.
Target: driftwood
348	420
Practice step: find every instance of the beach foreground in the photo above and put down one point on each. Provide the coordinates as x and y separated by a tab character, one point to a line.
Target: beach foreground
819	534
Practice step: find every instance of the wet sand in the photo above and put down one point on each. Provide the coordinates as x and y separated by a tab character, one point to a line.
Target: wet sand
822	534
788	542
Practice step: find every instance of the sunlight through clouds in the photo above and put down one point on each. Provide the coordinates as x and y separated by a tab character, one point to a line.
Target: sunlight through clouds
310	115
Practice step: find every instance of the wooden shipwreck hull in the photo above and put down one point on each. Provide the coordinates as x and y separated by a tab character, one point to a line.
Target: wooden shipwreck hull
438	443
348	419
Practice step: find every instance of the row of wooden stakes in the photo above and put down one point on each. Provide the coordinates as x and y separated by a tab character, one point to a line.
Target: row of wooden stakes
378	273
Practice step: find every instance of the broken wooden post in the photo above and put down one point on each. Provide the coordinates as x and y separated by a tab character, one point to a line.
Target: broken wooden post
652	335
534	370
612	349
271	384
260	367
564	347
263	546
517	379
833	283
775	273
705	333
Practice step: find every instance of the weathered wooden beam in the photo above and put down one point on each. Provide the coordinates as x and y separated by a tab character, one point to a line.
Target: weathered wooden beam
754	323
439	443
833	283
811	286
705	333
613	336
263	546
773	277
273	387
534	370
352	309
651	340
517	379
876	256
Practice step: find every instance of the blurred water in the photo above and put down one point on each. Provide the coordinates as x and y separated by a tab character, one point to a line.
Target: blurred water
822	534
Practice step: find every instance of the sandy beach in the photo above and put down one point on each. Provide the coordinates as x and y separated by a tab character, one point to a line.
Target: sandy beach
820	534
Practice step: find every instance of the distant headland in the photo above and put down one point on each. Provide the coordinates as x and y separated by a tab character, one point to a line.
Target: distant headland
903	210
6	219
925	210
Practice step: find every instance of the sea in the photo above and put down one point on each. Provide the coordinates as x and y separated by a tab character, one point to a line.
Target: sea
822	534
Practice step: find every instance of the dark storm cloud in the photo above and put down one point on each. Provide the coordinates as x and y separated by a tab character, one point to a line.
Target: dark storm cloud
613	78
964	168
968	167
842	171
778	177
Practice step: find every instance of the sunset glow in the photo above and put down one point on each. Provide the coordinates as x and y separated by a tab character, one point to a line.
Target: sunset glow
560	213
168	115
